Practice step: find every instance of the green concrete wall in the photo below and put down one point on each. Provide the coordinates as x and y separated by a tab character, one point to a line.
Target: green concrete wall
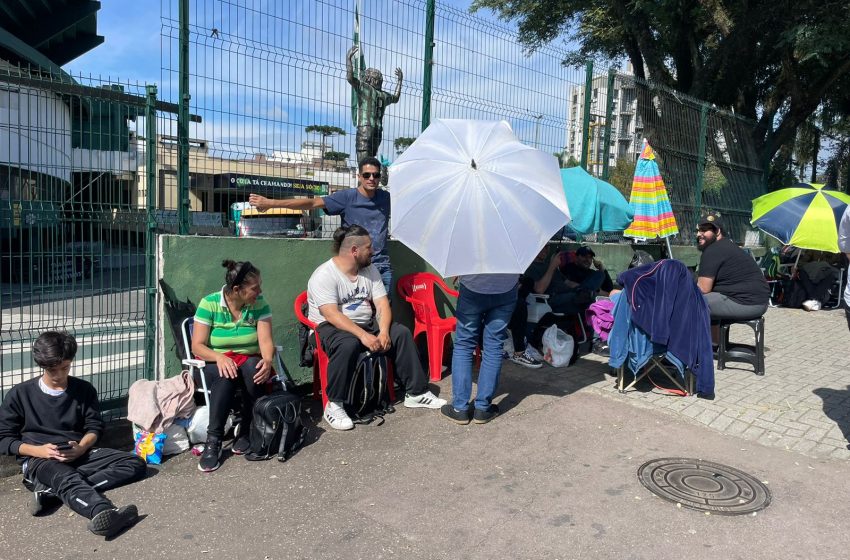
191	267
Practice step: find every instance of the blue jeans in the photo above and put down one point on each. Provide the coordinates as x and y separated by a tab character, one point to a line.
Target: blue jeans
386	271
477	313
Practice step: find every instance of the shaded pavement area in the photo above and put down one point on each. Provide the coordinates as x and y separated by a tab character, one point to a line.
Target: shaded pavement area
553	477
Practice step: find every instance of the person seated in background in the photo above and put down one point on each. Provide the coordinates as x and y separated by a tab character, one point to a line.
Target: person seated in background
731	282
51	423
348	302
811	280
566	295
580	275
233	335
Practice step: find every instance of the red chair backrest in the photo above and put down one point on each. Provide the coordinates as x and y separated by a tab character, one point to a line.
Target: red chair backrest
418	290
300	301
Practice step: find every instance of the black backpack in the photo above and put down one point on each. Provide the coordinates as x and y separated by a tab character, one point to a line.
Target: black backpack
277	427
368	395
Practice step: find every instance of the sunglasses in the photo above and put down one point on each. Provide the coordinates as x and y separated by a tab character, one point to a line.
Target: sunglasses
368	175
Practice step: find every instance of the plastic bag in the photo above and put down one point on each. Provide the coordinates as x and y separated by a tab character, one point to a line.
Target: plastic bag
149	447
197	430
176	438
558	347
508	346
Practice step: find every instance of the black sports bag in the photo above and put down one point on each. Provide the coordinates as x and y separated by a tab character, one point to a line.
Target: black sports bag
277	427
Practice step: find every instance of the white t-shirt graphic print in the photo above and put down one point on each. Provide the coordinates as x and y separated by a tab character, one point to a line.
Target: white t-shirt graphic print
329	285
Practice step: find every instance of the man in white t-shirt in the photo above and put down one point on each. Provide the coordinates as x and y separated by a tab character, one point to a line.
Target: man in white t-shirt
341	294
844	246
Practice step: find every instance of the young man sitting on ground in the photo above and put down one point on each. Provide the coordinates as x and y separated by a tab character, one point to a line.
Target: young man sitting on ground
51	423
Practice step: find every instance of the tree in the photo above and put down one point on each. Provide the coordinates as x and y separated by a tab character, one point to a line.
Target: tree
774	64
402	143
622	174
565	161
335	156
325	131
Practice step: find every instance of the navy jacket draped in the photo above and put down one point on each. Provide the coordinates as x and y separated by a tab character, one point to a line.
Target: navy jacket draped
667	304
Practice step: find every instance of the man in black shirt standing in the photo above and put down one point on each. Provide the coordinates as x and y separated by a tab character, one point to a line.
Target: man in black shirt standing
51	423
732	283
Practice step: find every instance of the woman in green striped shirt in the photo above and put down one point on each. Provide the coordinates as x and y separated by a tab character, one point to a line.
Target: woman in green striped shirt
233	335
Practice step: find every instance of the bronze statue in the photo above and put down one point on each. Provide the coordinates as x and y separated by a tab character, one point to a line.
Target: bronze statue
371	104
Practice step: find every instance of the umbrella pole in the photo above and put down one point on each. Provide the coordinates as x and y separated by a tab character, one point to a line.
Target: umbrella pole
799	252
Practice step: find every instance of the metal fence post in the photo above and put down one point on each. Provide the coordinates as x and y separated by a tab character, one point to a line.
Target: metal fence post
427	73
609	111
703	131
183	124
150	233
585	126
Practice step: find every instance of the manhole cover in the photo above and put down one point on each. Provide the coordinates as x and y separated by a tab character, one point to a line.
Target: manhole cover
704	486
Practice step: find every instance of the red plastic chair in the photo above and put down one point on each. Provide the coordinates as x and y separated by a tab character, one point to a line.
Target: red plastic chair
320	358
417	289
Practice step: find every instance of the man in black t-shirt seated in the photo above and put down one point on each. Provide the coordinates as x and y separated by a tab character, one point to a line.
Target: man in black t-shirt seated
565	294
732	283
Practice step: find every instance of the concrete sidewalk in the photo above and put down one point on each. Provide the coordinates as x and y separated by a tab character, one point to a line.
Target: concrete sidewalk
553	477
802	403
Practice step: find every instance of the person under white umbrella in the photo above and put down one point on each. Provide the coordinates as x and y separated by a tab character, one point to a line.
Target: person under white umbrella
476	203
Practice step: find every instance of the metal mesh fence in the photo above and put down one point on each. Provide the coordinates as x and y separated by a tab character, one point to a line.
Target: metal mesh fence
263	73
703	156
72	241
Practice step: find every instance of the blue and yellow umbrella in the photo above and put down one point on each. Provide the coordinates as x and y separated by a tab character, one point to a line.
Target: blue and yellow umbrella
805	216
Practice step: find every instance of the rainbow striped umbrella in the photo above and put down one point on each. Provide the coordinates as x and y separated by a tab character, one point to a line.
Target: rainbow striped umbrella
653	213
805	216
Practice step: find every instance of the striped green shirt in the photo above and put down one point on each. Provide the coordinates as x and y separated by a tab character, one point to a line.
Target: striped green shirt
225	334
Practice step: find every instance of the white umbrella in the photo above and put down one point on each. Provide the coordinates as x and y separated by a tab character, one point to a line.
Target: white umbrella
470	198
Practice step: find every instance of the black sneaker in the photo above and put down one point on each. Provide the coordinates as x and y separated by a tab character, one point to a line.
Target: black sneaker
210	458
241	445
455	415
110	522
484	416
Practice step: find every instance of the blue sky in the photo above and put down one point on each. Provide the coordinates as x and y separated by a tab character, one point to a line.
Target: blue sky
278	66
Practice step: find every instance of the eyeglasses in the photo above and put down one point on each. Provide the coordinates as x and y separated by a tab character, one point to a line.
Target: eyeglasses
368	175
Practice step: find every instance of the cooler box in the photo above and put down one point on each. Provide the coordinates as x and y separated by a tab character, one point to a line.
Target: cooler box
250	222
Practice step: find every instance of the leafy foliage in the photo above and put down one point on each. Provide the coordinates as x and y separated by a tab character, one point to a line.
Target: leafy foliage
621	176
402	143
774	63
336	156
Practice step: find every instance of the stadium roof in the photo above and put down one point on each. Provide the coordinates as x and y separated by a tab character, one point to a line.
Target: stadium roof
47	33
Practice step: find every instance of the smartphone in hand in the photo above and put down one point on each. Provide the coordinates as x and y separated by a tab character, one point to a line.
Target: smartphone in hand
64	446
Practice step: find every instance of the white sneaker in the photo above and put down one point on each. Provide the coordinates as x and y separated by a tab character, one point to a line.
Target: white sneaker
811	305
425	400
336	417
